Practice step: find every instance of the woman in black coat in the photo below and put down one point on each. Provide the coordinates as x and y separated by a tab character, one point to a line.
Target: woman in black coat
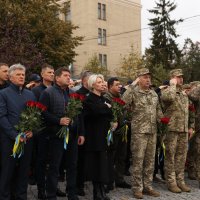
97	118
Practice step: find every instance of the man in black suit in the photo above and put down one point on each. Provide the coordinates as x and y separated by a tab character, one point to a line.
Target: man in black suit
55	98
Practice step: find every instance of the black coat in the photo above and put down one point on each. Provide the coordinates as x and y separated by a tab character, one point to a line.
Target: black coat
97	118
84	91
55	99
38	90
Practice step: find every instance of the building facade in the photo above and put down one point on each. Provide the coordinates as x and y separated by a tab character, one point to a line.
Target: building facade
109	28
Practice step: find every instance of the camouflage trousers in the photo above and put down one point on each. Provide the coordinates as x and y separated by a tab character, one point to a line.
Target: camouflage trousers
175	157
143	148
197	157
191	155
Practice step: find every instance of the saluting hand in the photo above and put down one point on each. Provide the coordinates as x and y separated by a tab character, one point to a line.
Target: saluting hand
173	81
135	82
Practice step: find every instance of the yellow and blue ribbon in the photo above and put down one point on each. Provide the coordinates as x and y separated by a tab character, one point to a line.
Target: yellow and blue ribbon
66	138
109	137
18	148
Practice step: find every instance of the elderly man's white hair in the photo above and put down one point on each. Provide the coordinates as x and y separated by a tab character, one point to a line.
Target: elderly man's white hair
92	79
15	67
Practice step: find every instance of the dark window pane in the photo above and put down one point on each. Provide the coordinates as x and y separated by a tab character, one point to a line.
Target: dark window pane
104	63
104	11
104	37
68	15
100	59
99	36
99	10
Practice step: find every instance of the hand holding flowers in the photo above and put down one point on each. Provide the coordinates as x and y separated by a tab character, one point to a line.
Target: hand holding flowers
30	119
72	109
117	109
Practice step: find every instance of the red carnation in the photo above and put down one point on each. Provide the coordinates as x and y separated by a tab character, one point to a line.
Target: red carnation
165	120
81	97
119	101
192	108
30	103
41	106
74	96
122	102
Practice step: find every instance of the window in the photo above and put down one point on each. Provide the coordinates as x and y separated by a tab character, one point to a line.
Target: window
68	14
101	36
104	63
100	59
102	11
99	10
104	37
103	60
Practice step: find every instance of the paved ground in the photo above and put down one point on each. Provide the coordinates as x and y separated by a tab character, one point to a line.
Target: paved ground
125	194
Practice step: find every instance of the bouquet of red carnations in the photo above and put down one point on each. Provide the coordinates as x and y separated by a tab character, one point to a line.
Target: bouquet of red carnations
117	106
72	109
30	119
163	125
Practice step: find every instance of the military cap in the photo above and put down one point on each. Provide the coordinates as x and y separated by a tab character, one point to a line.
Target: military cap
186	86
194	83
143	71
176	72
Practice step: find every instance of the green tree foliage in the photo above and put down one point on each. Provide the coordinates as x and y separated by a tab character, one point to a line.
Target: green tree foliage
163	50
94	66
159	73
31	33
129	65
191	60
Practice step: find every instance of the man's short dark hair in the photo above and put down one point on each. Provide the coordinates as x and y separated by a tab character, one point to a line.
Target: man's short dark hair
60	70
111	81
85	74
45	66
3	64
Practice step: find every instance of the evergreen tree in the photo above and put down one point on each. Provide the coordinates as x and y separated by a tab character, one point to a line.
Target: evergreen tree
163	50
191	60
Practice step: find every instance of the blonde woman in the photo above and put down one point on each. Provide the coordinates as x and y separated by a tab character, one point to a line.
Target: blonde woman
97	118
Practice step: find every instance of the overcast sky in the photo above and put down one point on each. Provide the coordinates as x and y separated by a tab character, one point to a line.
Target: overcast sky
188	29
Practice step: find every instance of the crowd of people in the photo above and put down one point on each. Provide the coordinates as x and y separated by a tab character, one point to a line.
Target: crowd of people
101	145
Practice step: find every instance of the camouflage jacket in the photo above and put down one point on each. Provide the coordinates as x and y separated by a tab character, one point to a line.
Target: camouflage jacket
192	114
176	104
194	96
145	109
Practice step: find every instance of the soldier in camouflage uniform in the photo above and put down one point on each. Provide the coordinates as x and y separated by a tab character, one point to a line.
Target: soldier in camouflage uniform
146	111
176	108
194	95
191	155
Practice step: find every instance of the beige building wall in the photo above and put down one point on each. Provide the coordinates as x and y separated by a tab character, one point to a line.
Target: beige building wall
123	28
